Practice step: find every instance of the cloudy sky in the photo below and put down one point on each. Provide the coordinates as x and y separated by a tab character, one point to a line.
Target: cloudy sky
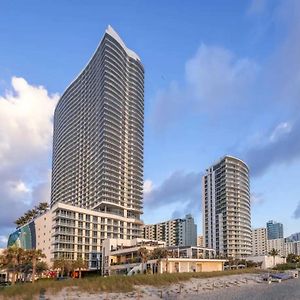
222	77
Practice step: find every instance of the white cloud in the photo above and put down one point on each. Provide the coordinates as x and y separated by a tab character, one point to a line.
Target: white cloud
215	79
256	198
25	123
21	187
3	240
281	129
148	186
217	76
26	113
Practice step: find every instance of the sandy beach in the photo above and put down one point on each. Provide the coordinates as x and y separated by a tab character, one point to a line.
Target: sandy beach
248	286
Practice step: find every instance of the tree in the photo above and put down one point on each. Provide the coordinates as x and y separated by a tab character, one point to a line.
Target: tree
41	267
143	253
34	255
274	252
63	265
79	264
291	258
11	260
30	214
42	207
159	254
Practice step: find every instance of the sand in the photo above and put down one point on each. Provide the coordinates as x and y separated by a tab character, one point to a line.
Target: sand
247	286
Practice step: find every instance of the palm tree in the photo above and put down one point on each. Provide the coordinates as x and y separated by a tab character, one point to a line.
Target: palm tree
144	255
42	207
41	267
34	255
10	259
20	221
30	215
274	252
79	264
62	264
159	254
4	264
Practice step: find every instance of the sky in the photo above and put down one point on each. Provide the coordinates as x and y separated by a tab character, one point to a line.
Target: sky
221	77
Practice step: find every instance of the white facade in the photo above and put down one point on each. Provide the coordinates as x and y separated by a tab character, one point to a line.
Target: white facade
98	145
226	208
98	134
267	261
284	246
43	228
177	232
292	248
259	241
277	244
78	232
200	241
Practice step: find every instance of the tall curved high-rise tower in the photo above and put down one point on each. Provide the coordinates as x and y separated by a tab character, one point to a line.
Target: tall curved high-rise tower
98	134
226	208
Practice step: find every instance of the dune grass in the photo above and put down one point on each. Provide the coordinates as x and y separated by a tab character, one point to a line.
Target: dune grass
123	284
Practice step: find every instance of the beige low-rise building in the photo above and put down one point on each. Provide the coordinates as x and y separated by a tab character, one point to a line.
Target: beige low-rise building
122	257
183	265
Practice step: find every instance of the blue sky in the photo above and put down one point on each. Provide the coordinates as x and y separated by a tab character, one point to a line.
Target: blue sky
222	77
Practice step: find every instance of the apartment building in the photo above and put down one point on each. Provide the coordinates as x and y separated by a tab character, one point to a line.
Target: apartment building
200	241
274	230
277	244
259	241
98	144
226	208
79	232
177	232
284	246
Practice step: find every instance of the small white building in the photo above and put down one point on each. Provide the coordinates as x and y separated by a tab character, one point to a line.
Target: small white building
267	261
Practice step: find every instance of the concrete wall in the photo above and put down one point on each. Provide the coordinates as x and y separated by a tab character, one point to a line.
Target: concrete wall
43	227
190	265
267	261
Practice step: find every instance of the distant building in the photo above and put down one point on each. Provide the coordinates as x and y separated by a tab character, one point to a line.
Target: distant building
177	232
284	246
292	247
277	244
274	230
36	234
226	208
200	241
259	241
294	237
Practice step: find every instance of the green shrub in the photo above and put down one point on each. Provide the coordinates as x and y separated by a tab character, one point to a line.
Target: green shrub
287	266
122	284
